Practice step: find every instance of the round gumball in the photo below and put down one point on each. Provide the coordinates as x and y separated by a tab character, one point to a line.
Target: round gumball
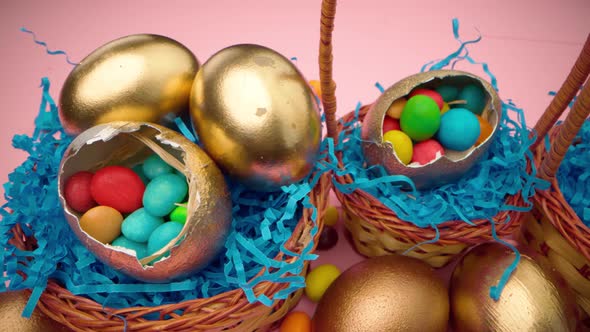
485	130
420	118
427	151
396	108
319	279
296	321
474	97
77	192
328	238
429	93
162	235
154	166
163	192
459	129
331	216
139	225
402	145
390	123
448	92
140	249
103	223
118	187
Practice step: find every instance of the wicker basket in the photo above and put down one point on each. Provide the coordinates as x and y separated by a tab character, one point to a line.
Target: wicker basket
553	228
229	311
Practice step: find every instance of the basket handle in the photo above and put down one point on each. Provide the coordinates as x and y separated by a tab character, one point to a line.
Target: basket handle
566	93
328	85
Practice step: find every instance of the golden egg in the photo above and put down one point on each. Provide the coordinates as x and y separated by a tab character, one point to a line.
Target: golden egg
135	78
256	116
12	304
384	294
453	164
534	299
209	205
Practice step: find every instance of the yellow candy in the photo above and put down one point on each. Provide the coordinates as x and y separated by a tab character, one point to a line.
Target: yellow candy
319	279
402	145
444	109
331	216
396	108
316	87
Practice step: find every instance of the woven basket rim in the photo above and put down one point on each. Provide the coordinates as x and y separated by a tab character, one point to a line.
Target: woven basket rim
451	232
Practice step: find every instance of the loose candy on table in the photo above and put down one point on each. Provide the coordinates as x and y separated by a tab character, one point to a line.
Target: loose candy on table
319	279
139	225
448	92
331	216
427	151
474	97
429	93
103	223
140	249
162	235
402	145
118	187
396	108
420	118
328	238
390	123
154	166
459	129
77	192
163	192
179	214
485	130
296	321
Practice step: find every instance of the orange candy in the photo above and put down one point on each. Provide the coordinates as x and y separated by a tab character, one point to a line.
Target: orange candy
103	223
317	88
296	321
485	130
396	108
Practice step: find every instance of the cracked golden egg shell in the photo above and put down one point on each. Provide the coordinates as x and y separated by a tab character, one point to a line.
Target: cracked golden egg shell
256	116
209	205
139	77
453	164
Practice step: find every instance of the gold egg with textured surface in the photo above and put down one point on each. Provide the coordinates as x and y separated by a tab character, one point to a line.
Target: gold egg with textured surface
384	294
12	304
208	209
534	299
134	78
256	116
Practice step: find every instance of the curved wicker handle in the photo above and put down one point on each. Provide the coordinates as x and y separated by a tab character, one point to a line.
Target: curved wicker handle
574	121
325	60
566	93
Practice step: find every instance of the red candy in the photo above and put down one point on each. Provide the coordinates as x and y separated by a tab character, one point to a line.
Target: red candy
77	192
118	187
390	123
429	93
426	151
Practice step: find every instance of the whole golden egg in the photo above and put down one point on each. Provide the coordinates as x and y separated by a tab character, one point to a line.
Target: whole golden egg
535	299
209	205
256	116
384	294
12	304
135	78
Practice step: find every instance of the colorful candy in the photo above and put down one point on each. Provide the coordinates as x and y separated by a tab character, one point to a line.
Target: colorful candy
474	97
396	108
427	151
459	129
179	214
445	108
163	192
139	225
140	249
429	93
331	216
390	123
77	192
402	145
154	166
448	92
485	130
328	238
118	187
316	87
162	235
103	223
319	279
420	118
296	321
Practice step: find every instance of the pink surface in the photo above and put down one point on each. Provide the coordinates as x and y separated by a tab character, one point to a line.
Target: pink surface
529	45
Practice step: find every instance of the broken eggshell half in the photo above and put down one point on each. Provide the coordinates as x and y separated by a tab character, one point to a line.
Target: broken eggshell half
209	205
444	169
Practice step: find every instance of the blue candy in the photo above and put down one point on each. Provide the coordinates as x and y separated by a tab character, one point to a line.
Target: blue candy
154	166
163	235
459	129
163	192
139	225
139	248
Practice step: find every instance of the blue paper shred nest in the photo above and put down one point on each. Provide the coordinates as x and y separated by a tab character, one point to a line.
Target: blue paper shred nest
573	175
261	225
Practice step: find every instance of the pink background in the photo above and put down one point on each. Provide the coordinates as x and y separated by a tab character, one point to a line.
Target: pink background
530	45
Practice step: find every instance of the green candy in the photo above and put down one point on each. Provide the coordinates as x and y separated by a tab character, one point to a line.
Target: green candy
179	214
475	99
448	92
420	118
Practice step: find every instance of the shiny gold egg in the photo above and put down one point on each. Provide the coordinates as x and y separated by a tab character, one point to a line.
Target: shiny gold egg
450	166
256	116
135	78
12	304
209	205
534	299
384	294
